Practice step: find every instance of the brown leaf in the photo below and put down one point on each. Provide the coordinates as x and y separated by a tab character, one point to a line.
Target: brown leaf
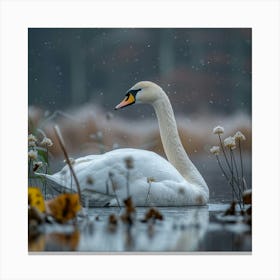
64	207
152	214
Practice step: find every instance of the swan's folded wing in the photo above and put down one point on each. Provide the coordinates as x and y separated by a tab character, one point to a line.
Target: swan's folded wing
56	178
90	198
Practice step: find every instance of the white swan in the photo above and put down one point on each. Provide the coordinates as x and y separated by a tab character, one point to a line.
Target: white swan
151	180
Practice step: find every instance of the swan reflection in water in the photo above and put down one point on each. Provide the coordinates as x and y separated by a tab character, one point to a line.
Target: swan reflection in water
181	231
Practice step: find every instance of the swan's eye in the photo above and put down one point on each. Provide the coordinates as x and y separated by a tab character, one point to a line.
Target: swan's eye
134	91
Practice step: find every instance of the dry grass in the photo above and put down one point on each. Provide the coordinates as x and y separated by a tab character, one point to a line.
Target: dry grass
79	127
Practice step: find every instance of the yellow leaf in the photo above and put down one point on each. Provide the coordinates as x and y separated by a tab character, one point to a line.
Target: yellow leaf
64	207
36	199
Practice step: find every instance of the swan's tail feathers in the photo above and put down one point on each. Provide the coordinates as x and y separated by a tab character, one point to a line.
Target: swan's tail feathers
90	198
53	178
55	184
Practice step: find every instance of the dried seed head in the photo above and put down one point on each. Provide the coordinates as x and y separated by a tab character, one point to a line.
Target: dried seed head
46	142
153	213
37	165
218	130
239	136
230	143
31	144
31	138
129	162
150	179
72	161
32	154
215	150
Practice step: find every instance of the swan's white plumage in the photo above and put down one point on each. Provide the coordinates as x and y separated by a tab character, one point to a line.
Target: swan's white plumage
169	187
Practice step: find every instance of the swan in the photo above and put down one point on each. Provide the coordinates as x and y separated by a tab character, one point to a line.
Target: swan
107	179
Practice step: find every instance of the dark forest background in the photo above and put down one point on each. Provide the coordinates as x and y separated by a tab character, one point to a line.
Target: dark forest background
203	70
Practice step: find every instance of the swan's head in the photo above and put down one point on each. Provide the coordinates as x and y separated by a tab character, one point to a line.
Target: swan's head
142	92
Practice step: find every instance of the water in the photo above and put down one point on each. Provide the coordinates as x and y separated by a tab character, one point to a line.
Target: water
183	230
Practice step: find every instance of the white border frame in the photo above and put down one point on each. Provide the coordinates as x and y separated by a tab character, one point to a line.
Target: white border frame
17	16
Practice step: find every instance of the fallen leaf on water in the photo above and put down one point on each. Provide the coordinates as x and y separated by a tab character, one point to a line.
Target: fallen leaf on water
64	207
36	199
152	214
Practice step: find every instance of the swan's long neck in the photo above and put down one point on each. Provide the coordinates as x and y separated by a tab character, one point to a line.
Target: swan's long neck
172	145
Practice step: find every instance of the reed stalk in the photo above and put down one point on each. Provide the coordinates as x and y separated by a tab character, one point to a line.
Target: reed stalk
62	146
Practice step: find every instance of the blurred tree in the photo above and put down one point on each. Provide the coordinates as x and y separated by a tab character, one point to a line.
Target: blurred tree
200	68
166	52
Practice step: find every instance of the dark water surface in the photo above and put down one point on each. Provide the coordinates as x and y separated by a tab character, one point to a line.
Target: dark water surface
183	229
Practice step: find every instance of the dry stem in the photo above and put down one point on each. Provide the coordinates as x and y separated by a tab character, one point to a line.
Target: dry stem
62	146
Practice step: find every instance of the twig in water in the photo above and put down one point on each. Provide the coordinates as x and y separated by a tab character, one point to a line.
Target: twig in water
62	146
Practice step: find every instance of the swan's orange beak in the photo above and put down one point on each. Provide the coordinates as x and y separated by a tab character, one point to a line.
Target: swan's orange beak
129	99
